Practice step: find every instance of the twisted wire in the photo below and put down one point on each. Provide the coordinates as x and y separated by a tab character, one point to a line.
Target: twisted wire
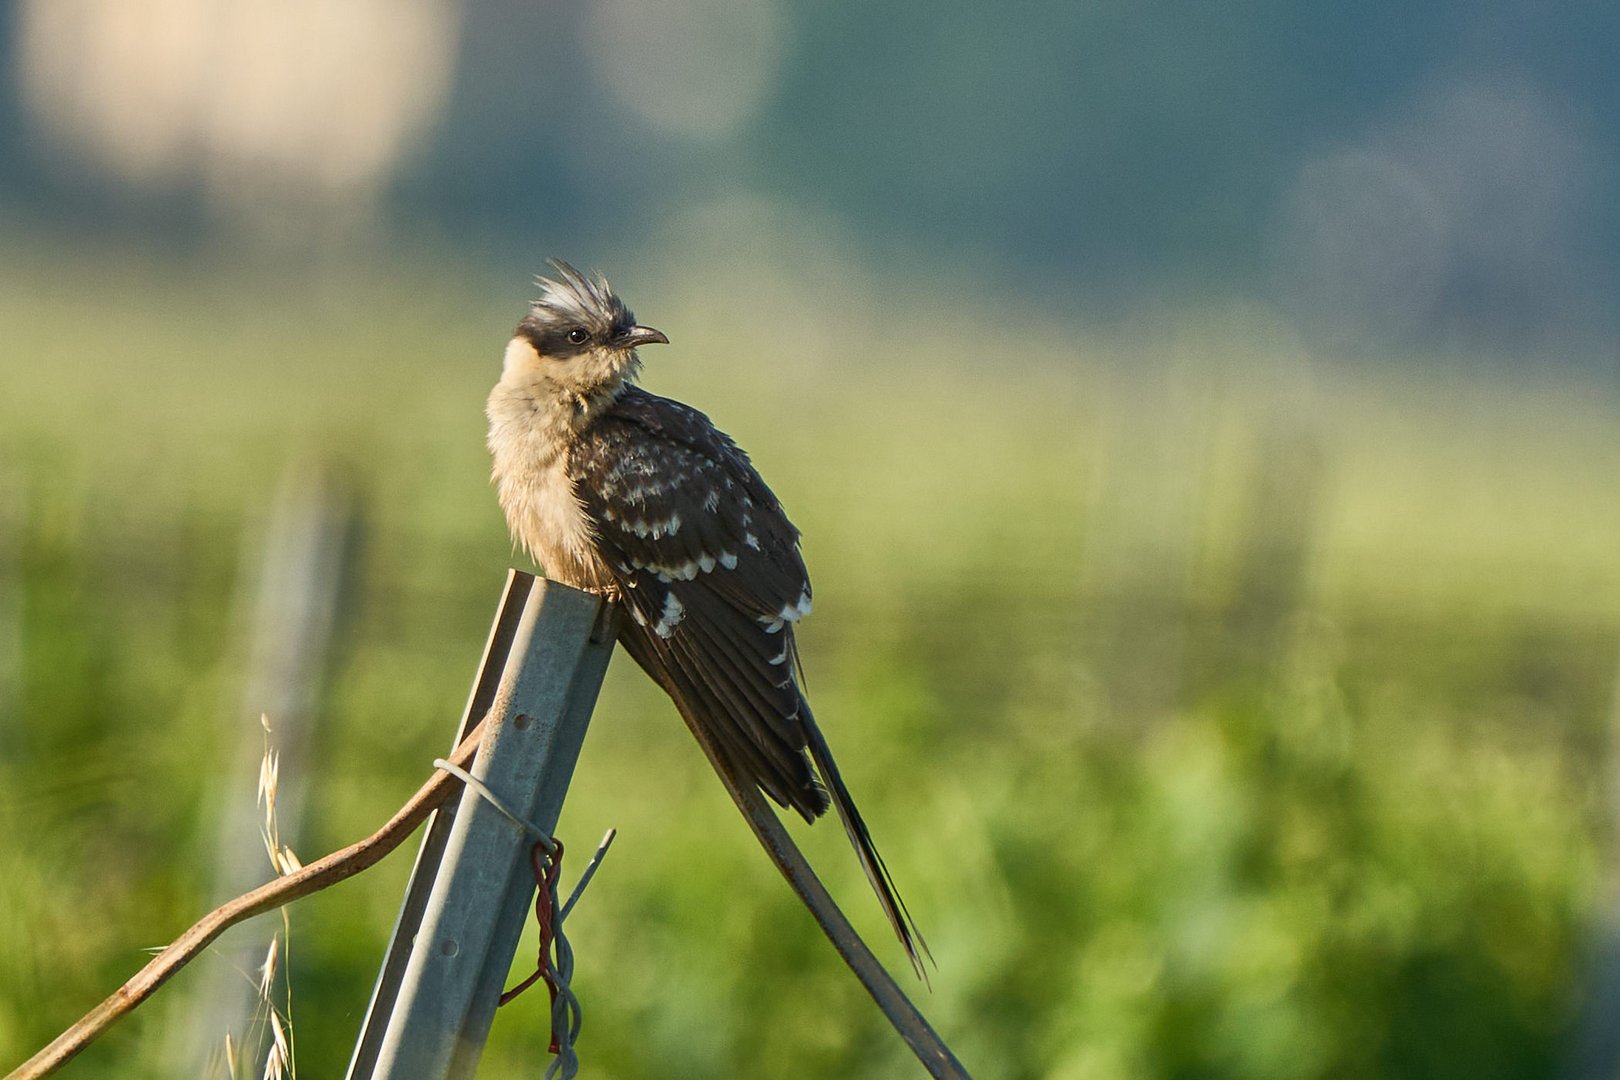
567	1015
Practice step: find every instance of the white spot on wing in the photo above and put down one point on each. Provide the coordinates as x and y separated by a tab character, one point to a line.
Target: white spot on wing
797	611
641	492
671	617
656	529
728	560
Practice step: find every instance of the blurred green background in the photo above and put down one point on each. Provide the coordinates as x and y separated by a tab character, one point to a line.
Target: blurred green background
1203	427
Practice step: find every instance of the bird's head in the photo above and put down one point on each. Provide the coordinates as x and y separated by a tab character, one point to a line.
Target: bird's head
578	338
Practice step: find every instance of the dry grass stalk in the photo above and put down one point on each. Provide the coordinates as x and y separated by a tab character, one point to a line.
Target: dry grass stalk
321	874
279	1060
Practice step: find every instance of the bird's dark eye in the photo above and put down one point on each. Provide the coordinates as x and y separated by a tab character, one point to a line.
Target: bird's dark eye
579	335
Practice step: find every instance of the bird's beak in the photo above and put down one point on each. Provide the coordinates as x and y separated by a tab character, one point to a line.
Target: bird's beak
640	335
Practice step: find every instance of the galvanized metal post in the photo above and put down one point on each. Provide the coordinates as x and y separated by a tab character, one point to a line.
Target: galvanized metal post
470	891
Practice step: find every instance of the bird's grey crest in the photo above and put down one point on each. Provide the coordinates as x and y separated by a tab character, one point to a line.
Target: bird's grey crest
572	297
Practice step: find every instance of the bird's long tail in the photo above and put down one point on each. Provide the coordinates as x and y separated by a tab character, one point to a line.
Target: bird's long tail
784	853
930	1049
905	928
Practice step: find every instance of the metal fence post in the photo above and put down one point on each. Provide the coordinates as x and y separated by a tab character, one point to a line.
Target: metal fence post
469	893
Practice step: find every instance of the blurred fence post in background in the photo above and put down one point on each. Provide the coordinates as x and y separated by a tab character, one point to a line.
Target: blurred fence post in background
470	890
1273	560
1595	1047
12	517
307	555
1140	550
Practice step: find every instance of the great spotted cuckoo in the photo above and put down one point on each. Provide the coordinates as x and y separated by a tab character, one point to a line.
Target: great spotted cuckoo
639	498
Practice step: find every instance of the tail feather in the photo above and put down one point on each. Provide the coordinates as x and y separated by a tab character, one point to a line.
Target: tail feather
905	928
706	702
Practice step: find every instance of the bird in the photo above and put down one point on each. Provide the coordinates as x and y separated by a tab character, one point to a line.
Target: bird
641	499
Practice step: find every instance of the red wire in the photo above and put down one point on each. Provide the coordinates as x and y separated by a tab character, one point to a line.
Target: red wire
547	869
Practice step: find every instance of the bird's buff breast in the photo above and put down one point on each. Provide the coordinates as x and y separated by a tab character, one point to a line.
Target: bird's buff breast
537	496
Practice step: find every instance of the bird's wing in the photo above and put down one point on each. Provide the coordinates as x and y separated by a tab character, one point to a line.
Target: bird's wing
710	574
709	569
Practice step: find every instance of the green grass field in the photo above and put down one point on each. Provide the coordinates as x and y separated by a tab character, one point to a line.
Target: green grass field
1221	713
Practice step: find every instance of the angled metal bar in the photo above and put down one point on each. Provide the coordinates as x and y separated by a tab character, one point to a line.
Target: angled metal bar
438	1011
431	852
497	648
